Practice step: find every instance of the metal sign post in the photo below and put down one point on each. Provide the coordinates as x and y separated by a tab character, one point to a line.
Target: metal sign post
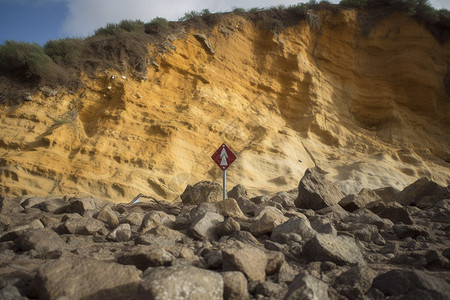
224	157
224	184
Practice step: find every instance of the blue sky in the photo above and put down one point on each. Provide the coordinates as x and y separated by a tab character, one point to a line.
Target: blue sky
37	21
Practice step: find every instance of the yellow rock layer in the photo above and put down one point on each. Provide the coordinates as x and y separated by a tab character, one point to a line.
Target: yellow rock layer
371	110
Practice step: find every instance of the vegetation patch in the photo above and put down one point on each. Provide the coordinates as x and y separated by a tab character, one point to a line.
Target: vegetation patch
29	62
122	27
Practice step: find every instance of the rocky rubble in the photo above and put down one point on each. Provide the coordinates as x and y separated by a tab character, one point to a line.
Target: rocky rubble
309	243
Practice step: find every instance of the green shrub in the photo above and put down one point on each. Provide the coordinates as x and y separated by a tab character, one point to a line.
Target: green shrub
238	10
131	26
205	12
22	57
123	26
255	9
353	3
64	51
190	15
159	22
30	62
109	29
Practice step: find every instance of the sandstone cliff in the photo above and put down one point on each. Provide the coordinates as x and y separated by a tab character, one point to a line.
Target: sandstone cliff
369	107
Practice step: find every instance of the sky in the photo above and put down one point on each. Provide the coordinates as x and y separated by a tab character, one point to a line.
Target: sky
38	21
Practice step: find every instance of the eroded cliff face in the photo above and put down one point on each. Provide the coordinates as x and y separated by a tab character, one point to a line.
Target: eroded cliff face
372	111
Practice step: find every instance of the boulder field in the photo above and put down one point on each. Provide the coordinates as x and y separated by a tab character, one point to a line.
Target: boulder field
306	243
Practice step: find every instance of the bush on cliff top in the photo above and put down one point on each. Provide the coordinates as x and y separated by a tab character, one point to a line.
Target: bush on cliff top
64	51
29	62
123	26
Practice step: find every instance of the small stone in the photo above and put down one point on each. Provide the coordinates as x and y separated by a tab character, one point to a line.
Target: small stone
270	289
295	229
275	260
27	97
121	233
82	225
181	282
267	220
235	286
134	219
307	287
144	257
354	202
229	208
108	216
228	226
48	91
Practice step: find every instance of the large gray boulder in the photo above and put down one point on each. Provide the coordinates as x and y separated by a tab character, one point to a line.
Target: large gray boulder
240	194
76	277
307	287
41	240
341	250
146	256
316	192
203	191
82	225
181	282
400	282
230	208
108	216
422	193
121	233
360	200
295	229
245	258
355	282
205	226
235	286
84	204
266	221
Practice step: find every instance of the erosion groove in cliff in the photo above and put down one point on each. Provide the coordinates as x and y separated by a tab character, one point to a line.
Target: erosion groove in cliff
371	110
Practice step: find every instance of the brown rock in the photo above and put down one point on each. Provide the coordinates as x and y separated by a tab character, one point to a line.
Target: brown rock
229	208
41	240
205	226
108	216
235	286
316	192
422	191
82	225
227	227
82	205
354	202
146	256
204	191
305	286
245	258
181	282
84	278
266	221
121	233
341	250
